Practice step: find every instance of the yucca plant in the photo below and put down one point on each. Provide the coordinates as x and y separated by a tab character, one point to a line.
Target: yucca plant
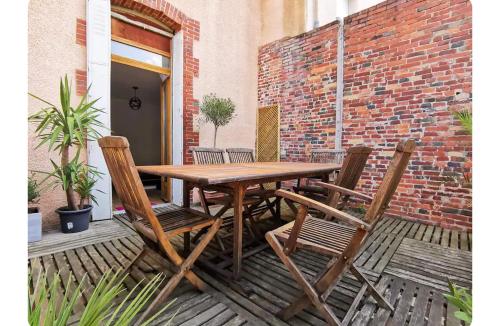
62	128
46	307
462	299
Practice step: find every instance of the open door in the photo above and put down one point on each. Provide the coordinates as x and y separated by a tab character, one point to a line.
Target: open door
166	136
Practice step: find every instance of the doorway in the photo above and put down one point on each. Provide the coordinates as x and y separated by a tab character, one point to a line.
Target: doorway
124	37
141	100
139	112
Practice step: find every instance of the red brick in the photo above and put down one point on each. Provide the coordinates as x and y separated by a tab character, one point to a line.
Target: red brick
81	31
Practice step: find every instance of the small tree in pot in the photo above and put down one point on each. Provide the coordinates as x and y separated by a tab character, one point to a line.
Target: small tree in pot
218	111
63	128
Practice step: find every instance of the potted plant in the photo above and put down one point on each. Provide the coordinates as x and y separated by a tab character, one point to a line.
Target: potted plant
34	215
66	129
218	111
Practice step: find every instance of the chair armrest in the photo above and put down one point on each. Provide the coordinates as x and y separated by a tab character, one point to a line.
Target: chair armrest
345	191
323	208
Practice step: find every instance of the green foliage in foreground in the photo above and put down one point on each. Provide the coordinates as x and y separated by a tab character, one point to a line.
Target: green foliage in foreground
462	299
108	305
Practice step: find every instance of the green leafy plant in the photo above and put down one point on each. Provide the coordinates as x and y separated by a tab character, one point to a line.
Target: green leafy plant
33	189
462	299
107	304
218	111
465	118
360	209
62	128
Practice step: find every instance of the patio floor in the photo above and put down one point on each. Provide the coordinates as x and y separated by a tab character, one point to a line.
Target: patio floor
409	261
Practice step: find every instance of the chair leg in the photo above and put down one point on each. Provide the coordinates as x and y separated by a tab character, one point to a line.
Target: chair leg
187	243
309	290
220	242
291	205
141	255
381	300
184	270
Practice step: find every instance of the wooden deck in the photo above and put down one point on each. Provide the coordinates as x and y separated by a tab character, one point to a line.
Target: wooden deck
408	261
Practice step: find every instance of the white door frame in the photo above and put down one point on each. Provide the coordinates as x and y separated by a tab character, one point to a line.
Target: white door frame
99	76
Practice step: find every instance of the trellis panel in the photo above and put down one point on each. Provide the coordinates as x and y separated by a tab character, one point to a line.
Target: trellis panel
268	134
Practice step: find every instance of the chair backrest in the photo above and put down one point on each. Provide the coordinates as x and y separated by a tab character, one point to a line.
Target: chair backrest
240	155
205	156
391	180
126	180
353	166
321	155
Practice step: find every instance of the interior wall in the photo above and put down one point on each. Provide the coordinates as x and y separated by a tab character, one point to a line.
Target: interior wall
141	127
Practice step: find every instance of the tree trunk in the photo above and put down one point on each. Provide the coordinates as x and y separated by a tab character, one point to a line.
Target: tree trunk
215	137
83	202
70	193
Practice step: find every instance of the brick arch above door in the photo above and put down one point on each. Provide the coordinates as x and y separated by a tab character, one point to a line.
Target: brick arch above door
176	20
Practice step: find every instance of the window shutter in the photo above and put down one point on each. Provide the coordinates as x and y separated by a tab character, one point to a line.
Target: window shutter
99	77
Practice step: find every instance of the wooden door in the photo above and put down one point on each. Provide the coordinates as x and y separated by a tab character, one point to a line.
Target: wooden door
166	135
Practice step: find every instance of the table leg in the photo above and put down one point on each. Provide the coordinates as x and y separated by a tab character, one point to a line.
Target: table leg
239	194
278	201
185	194
186	204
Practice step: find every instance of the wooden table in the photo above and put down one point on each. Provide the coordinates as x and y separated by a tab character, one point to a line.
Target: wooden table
239	176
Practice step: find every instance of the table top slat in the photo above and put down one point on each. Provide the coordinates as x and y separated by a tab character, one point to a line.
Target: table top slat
239	172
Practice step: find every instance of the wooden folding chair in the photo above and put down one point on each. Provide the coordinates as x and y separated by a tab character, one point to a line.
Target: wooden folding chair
352	167
341	242
156	230
245	155
320	155
218	195
210	196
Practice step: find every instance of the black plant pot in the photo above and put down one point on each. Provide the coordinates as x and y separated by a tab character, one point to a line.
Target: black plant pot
74	221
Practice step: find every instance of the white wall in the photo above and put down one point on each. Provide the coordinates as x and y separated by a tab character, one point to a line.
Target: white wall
227	52
358	5
52	53
142	127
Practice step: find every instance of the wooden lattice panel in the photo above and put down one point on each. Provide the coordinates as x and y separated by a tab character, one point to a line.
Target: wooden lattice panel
268	134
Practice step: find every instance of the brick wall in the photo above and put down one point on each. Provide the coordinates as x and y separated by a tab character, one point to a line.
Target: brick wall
407	67
299	73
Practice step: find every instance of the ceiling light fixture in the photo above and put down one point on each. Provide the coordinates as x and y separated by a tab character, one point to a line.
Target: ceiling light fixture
135	102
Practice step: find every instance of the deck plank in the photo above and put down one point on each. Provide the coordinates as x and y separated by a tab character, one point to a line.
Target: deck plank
392	263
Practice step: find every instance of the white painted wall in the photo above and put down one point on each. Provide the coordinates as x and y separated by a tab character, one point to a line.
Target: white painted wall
227	52
52	53
329	10
358	5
